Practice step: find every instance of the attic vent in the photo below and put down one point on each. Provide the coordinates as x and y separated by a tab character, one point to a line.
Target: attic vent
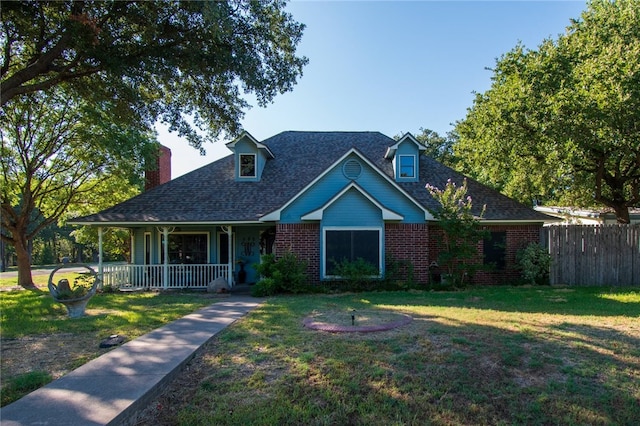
352	169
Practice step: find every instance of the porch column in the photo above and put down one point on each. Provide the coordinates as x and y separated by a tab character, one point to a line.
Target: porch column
165	248
230	248
100	267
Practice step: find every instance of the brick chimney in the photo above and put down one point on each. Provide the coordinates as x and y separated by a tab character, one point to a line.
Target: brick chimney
160	170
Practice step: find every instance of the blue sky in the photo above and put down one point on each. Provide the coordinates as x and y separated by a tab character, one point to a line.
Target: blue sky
391	66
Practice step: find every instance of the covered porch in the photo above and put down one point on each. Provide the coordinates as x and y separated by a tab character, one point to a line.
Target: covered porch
163	277
187	256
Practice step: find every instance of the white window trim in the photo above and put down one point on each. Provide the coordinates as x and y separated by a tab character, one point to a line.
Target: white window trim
208	234
413	160
323	266
255	166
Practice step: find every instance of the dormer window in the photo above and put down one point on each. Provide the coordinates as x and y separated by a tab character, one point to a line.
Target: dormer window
248	165
407	166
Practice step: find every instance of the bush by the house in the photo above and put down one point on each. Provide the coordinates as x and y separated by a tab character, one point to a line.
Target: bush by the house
286	274
357	275
533	262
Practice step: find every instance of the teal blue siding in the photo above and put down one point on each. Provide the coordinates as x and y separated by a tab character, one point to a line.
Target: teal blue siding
137	251
369	180
352	209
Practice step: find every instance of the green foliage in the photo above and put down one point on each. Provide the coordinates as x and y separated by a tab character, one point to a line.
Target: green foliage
438	147
187	64
461	231
81	286
18	386
286	274
398	274
57	154
264	287
534	261
560	122
357	275
46	256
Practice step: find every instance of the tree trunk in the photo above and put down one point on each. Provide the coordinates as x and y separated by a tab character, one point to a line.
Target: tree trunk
622	214
25	279
3	256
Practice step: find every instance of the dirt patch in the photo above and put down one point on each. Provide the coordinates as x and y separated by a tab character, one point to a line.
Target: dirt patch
56	354
355	321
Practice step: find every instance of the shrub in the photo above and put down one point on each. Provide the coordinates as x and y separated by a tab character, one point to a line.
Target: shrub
398	274
533	262
358	274
81	287
264	287
288	273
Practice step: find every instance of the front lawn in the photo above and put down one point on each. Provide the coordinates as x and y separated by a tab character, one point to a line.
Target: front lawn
39	342
499	355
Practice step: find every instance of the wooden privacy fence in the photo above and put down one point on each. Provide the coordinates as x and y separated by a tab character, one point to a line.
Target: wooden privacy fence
593	254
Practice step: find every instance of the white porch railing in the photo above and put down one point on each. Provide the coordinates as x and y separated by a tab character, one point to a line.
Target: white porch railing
152	276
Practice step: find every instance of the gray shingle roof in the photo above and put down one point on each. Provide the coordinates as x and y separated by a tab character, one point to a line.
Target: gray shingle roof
210	194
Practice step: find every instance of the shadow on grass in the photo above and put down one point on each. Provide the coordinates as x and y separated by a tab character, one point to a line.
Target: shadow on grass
447	367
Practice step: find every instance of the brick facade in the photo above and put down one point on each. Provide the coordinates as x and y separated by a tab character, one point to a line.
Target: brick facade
416	243
304	241
517	237
409	242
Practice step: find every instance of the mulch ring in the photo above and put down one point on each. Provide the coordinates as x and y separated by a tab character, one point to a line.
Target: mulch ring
355	321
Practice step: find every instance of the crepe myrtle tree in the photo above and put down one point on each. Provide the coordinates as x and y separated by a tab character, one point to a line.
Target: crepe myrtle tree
461	231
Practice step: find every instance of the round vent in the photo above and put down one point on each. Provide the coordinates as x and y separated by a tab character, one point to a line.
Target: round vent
352	169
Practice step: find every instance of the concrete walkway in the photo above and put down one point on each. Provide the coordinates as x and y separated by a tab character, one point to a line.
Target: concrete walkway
111	389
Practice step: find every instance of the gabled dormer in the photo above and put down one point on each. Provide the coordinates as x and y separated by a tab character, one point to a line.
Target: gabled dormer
405	156
250	157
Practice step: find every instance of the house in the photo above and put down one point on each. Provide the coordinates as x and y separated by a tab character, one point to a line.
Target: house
320	195
581	216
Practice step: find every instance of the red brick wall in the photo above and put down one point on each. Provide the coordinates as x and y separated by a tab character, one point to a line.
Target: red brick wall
304	241
518	236
416	243
160	172
409	242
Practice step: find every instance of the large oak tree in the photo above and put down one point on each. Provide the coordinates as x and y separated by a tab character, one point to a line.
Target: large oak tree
186	63
563	122
83	83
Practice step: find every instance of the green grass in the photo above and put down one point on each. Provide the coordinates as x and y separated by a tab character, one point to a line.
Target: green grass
25	313
499	355
16	387
40	280
34	313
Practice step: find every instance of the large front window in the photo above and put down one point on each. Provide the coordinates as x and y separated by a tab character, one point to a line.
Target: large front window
187	248
348	245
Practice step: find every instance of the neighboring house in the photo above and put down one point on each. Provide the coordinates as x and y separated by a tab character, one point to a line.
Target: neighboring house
321	195
577	216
